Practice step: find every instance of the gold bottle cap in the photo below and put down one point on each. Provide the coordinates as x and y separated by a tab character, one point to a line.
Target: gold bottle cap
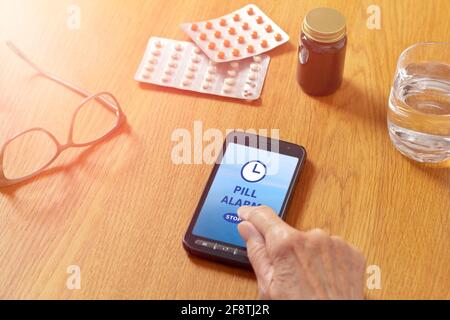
324	25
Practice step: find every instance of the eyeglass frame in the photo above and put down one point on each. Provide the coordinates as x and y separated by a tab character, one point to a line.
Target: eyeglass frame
113	105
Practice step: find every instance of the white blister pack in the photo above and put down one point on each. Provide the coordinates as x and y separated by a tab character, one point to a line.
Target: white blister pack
241	34
183	65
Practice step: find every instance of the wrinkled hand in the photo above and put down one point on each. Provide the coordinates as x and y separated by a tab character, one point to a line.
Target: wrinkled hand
291	264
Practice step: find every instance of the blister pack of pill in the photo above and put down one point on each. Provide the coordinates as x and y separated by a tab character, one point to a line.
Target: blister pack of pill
183	65
241	34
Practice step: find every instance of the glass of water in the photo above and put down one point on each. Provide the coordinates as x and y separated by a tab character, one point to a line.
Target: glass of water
419	103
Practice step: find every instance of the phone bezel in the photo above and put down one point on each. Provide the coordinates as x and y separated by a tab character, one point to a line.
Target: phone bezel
247	139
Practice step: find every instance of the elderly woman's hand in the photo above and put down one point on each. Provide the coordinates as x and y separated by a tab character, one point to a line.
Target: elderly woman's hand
291	264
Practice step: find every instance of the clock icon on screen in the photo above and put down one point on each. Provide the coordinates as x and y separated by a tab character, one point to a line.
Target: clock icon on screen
253	171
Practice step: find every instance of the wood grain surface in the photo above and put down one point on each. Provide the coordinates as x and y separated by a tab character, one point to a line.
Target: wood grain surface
119	210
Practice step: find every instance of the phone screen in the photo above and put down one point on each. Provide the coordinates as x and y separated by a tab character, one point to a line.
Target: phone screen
245	176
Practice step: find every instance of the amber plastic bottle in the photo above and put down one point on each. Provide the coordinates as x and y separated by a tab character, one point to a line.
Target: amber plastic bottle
321	52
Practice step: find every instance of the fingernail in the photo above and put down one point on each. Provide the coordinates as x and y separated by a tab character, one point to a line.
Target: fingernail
244	211
245	230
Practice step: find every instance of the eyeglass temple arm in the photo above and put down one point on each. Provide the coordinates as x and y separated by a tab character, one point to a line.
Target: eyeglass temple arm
55	78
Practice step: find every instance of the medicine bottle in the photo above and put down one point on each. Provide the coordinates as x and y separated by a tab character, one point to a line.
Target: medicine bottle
321	52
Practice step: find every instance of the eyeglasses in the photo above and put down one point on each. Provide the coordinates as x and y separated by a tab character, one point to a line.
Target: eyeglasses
27	154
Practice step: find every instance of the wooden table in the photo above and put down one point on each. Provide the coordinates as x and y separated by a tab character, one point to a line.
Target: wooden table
119	210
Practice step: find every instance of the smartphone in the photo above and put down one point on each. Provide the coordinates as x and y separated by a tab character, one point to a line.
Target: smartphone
250	170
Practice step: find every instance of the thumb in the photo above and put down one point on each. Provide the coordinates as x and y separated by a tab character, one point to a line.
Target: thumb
257	254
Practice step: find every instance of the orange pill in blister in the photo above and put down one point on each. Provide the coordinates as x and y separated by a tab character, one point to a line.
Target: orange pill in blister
211	46
223	22
202	36
245	26
194	27
278	37
250	49
236	52
259	20
232	31
268	28
250	11
217	34
221	55
264	43
226	43
241	39
254	34
208	25
236	17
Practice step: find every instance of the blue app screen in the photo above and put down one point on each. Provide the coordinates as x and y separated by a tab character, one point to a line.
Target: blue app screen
246	176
